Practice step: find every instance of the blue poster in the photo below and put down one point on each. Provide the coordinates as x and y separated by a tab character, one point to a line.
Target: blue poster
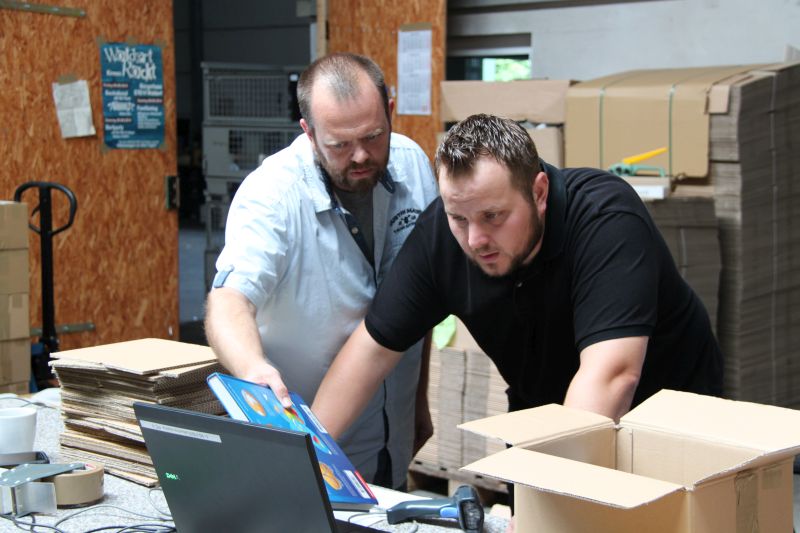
133	95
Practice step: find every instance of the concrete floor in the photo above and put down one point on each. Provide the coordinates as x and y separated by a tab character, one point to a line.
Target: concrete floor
192	243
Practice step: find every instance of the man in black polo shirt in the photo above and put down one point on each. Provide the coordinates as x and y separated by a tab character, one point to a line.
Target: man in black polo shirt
560	275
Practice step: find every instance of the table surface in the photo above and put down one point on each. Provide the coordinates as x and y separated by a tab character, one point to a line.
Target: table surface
124	498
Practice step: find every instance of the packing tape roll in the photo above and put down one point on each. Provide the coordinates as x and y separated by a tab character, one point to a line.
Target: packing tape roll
79	487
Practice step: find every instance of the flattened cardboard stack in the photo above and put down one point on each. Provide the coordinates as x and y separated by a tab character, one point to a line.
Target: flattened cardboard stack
15	344
463	385
484	395
689	226
445	390
100	384
755	171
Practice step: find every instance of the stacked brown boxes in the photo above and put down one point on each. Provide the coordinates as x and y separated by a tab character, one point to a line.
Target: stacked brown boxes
734	129
15	344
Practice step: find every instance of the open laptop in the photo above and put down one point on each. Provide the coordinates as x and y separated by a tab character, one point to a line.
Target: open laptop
219	474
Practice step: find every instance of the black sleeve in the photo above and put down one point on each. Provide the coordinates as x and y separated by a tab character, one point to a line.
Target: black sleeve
615	279
407	304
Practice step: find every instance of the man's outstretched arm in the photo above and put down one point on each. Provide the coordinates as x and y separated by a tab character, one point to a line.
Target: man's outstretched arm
233	334
353	378
608	376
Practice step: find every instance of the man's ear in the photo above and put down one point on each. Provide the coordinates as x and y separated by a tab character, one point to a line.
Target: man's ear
391	109
541	188
307	129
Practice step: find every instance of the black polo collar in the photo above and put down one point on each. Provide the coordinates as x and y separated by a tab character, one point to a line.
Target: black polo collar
554	226
555	218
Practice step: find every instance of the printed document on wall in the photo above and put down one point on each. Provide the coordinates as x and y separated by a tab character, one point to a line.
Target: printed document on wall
73	109
414	70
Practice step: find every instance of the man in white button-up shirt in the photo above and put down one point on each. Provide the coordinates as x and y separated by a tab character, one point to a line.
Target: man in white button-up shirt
309	237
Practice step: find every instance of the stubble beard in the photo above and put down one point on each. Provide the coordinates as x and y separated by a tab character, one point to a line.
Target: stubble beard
342	181
518	260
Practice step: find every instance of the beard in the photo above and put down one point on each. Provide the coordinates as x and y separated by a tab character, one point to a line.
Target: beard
340	176
537	231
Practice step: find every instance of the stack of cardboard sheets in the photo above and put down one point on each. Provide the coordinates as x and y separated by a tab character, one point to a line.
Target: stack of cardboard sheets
100	384
463	385
755	168
445	390
689	227
484	395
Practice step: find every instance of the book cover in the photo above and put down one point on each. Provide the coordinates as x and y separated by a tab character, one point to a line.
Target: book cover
247	401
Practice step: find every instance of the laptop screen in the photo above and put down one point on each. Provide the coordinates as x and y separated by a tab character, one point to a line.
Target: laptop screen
219	474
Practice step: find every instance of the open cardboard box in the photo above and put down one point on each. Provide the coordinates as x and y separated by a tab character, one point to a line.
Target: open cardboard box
678	462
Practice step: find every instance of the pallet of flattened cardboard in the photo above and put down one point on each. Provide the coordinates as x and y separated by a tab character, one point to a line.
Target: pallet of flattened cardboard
677	463
449	384
734	129
15	345
100	384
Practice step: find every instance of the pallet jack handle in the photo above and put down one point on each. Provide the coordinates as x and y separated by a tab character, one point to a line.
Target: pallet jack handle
49	338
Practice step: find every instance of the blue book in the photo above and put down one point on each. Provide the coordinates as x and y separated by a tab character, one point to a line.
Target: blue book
255	403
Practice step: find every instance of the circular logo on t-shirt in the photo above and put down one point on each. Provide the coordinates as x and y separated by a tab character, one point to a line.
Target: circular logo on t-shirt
404	219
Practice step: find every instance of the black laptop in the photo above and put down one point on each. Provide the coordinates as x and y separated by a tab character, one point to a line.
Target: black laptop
219	474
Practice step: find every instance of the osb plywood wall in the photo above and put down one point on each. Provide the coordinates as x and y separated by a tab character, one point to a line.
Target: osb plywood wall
117	265
370	27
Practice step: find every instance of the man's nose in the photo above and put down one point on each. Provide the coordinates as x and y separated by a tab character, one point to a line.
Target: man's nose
476	237
360	155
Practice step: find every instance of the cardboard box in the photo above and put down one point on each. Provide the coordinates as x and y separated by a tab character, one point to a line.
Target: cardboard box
678	462
539	101
633	112
14	276
549	143
22	387
14	316
13	225
15	361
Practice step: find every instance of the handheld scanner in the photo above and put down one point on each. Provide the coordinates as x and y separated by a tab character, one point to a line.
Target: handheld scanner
464	506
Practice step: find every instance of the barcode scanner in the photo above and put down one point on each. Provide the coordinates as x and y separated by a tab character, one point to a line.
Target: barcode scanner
464	505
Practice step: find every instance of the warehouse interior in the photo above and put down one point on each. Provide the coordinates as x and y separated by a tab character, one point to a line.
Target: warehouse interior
706	91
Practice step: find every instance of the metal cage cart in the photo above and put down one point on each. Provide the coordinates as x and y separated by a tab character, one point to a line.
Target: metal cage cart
249	113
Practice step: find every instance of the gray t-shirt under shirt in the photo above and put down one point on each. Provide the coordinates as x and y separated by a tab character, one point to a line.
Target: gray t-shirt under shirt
359	204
